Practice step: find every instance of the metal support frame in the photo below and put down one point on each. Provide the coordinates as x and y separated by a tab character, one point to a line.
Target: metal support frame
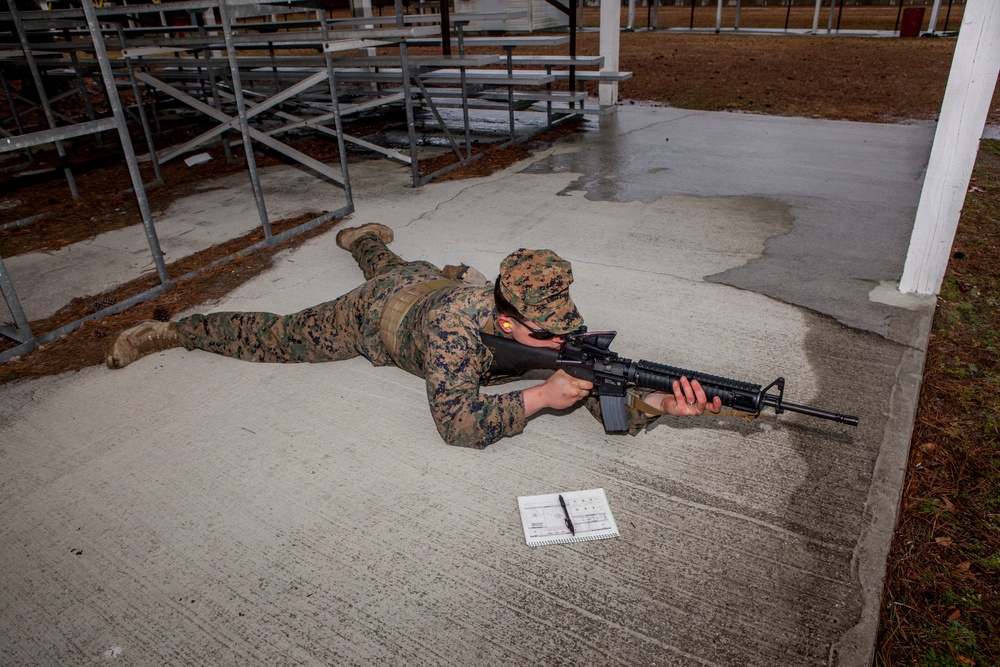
126	141
234	92
213	85
141	110
335	101
241	109
84	93
251	133
23	333
36	76
9	94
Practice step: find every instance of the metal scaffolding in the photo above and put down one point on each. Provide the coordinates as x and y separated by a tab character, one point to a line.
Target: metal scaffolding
264	79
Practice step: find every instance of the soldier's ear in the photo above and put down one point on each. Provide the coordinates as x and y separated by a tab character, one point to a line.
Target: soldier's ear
505	323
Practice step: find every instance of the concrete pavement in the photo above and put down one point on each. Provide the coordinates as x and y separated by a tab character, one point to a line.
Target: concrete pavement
192	509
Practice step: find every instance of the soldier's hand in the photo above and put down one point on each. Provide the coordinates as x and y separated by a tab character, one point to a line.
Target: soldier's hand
559	392
687	399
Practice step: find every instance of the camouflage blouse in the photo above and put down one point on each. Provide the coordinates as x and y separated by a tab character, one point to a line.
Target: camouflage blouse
440	342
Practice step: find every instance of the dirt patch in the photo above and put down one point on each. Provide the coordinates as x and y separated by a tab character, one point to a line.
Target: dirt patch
847	78
837	78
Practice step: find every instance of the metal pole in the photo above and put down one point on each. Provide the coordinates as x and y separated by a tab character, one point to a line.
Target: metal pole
404	62
445	29
36	76
133	165
572	45
788	13
213	85
274	67
13	110
14	304
465	94
510	87
137	93
610	38
337	120
410	123
84	93
241	108
932	22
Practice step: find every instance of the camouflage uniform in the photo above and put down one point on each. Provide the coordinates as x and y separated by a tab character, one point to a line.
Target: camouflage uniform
439	334
439	341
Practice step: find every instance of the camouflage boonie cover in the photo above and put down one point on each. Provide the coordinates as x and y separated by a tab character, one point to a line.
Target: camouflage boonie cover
536	283
439	341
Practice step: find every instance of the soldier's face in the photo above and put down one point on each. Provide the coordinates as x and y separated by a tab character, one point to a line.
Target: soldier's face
521	332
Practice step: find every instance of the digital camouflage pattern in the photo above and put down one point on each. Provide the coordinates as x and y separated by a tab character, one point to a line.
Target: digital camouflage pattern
439	341
439	334
536	283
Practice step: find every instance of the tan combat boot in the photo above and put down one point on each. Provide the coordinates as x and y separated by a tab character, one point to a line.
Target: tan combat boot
141	339
347	236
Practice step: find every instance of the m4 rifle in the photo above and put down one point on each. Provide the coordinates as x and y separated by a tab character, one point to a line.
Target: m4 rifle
586	356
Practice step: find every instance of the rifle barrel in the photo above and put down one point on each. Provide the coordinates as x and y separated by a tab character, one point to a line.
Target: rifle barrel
771	401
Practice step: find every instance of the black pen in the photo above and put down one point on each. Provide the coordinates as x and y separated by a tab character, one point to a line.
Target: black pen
569	523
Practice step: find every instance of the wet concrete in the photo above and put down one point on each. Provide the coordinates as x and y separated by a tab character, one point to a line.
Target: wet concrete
193	509
851	189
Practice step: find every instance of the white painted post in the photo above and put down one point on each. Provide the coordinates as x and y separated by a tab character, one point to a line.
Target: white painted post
932	24
974	70
718	16
209	16
631	15
610	39
816	16
363	9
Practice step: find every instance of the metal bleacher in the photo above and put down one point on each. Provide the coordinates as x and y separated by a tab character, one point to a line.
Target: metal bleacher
260	73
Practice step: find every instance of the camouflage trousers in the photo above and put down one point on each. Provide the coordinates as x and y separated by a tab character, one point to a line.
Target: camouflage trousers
340	329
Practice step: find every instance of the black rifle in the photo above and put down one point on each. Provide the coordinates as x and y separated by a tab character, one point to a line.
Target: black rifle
585	355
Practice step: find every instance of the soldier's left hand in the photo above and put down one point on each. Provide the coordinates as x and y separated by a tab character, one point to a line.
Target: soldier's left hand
687	399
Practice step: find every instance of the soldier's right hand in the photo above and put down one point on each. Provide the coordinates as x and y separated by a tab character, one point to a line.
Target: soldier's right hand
559	392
